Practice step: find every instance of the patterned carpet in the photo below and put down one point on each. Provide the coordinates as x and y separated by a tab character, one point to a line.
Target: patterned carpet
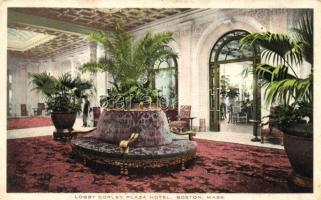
28	122
41	164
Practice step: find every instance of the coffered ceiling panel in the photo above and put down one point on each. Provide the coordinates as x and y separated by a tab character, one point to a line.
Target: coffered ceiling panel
103	18
62	40
59	43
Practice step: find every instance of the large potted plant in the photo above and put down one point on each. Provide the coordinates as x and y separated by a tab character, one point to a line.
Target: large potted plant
131	63
62	96
292	93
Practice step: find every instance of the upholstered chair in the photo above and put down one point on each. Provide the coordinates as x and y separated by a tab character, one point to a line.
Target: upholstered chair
272	131
184	119
24	111
171	115
40	108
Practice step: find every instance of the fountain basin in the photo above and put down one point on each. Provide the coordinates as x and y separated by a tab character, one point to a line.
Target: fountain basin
156	146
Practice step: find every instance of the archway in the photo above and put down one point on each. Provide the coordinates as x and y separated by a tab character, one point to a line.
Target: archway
229	99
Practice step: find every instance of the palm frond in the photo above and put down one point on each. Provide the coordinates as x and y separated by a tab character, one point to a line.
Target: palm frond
94	67
282	91
44	83
130	61
280	53
65	80
304	33
277	48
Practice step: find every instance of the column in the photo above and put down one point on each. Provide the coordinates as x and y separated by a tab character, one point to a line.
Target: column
93	58
184	64
101	77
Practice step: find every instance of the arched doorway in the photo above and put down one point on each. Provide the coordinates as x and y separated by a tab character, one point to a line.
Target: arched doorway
229	90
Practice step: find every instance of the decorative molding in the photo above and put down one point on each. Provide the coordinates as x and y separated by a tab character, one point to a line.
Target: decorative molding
261	15
199	29
51	24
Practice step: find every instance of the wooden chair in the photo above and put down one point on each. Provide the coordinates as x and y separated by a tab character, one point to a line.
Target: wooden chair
40	108
23	109
238	115
272	132
171	114
184	119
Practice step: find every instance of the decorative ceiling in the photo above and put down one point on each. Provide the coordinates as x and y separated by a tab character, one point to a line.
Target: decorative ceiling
22	40
61	40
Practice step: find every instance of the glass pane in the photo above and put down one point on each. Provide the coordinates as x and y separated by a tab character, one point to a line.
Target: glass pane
157	63
165	64
165	81
231	50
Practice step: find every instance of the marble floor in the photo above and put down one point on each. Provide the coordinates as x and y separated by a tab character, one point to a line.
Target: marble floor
42	131
246	128
232	134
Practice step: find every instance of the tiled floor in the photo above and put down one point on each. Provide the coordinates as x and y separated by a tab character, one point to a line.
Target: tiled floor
224	136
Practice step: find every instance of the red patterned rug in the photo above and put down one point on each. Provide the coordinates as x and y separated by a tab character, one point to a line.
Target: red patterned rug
41	164
28	122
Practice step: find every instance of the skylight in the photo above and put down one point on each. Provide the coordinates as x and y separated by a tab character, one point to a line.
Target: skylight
22	40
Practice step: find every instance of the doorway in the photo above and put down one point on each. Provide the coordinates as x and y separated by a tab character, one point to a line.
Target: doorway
234	96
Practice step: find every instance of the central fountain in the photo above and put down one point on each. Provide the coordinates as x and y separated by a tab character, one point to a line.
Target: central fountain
135	139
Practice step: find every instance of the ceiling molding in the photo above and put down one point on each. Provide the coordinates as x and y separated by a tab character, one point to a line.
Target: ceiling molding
52	24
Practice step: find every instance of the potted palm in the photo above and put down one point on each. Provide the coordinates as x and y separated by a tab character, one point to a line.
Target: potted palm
131	64
62	96
232	94
292	93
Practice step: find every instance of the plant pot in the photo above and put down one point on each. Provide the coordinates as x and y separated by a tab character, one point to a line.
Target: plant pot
300	153
63	119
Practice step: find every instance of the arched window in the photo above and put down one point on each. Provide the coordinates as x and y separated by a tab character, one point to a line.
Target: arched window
166	80
227	47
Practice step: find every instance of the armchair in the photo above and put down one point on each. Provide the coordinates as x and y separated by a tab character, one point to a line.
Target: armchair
184	119
272	131
23	109
39	109
171	114
190	134
238	114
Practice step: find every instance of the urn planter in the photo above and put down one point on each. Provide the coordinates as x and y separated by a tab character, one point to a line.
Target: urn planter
63	122
300	153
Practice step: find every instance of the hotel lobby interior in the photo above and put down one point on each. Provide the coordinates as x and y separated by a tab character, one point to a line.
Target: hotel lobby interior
181	100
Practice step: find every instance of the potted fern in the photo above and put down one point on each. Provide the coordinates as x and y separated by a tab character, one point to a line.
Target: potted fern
131	64
62	96
292	93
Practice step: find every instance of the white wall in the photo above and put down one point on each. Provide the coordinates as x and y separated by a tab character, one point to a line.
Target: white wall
21	69
22	93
